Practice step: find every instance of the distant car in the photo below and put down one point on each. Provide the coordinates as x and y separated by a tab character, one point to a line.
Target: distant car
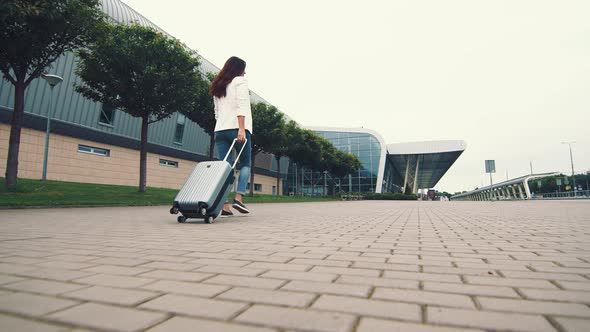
431	194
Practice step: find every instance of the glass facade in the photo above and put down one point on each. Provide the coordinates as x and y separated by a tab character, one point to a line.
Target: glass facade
363	145
392	178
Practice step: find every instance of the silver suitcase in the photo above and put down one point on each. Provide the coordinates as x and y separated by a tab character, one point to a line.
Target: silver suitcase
205	190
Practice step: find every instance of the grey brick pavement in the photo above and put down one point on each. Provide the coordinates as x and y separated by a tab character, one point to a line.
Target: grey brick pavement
335	266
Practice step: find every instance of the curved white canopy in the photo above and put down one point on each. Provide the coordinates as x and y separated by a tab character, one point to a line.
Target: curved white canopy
426	147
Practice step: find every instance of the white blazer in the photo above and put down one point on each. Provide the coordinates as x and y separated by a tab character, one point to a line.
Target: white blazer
235	103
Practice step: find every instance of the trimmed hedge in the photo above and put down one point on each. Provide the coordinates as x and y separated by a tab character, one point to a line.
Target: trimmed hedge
391	196
387	196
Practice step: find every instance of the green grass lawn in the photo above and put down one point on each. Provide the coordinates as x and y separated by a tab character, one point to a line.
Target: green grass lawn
55	193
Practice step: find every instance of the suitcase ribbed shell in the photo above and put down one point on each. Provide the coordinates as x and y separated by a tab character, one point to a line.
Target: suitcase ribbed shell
203	185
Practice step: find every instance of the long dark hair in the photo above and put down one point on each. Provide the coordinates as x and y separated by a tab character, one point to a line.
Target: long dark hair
233	67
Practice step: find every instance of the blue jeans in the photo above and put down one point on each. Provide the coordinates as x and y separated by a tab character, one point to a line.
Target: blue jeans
223	141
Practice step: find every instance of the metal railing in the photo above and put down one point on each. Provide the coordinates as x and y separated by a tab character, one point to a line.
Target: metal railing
564	194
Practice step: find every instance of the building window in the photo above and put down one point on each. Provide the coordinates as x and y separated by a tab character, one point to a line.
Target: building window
93	150
107	115
179	132
257	187
169	163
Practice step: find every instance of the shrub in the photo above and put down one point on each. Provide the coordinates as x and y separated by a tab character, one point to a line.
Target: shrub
386	196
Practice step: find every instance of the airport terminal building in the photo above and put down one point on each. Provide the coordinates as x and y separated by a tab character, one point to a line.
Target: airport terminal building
385	167
92	143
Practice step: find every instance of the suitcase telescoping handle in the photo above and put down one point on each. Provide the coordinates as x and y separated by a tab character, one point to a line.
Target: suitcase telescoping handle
239	154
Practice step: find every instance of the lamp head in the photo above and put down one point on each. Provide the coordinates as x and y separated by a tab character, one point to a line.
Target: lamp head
53	80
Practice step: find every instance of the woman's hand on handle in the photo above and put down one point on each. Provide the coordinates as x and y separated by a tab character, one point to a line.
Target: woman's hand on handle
241	135
241	130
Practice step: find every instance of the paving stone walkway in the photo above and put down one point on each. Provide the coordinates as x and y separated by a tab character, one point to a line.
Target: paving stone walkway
364	266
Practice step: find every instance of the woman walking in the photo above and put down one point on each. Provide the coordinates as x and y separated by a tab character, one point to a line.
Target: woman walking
231	97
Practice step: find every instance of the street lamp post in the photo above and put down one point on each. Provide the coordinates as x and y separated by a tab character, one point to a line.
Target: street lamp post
572	161
52	80
325	184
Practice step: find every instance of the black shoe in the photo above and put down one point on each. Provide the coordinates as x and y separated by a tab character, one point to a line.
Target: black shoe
240	206
226	213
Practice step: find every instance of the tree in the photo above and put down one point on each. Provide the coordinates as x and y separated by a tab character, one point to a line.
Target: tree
302	148
307	149
327	159
352	162
33	34
345	164
268	126
445	194
315	154
322	156
295	144
549	184
297	147
141	72
281	147
202	112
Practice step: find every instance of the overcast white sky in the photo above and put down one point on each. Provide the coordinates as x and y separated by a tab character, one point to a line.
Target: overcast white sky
511	78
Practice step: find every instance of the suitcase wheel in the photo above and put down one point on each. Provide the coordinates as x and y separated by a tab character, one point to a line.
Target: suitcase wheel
174	210
209	219
203	211
181	219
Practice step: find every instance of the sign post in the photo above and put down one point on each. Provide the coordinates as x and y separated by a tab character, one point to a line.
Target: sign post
490	168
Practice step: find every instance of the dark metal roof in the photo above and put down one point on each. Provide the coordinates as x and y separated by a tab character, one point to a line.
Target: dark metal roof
436	157
432	165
